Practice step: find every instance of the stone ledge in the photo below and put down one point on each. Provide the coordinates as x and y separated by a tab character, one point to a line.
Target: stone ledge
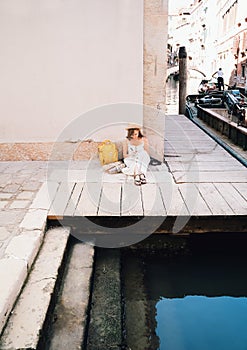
25	247
70	315
48	151
45	196
13	272
27	319
35	219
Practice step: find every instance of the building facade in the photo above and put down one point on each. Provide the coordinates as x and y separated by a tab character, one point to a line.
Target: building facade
215	35
63	59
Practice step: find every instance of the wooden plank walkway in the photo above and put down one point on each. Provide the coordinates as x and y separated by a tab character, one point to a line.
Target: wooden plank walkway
199	180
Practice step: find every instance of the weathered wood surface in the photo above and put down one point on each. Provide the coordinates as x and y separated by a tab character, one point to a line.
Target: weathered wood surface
198	179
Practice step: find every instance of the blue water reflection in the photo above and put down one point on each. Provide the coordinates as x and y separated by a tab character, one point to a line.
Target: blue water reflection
172	92
195	301
205	323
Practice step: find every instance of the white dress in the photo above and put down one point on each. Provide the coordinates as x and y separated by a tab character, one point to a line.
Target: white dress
137	161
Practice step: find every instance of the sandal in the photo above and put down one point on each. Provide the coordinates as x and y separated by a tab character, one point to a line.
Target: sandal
137	180
143	179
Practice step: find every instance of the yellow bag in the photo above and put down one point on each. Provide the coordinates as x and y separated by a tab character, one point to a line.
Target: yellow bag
108	152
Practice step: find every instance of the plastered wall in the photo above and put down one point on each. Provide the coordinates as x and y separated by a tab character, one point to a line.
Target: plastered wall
62	58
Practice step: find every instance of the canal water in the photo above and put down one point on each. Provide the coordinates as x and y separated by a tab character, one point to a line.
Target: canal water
172	92
186	302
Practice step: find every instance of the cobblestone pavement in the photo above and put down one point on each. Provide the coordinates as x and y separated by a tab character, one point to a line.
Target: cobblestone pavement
19	183
23	216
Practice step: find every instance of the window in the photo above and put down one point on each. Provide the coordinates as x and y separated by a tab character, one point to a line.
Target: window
243	71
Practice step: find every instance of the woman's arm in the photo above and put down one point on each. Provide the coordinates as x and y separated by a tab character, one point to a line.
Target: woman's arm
146	144
125	149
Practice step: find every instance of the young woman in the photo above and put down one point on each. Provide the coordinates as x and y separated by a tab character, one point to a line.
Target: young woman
135	153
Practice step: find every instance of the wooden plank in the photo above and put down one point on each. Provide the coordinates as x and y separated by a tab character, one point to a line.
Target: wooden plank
152	200
88	203
193	200
173	200
172	136
214	199
110	199
187	177
73	200
188	157
233	198
241	188
210	177
158	176
61	199
190	145
131	202
192	148
204	166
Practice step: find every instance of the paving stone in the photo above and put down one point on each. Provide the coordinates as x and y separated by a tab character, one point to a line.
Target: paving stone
31	185
25	195
45	196
19	204
14	167
5	179
19	180
3	246
5	195
4	233
3	204
25	246
35	165
13	272
25	324
27	171
11	188
11	217
35	219
40	176
3	166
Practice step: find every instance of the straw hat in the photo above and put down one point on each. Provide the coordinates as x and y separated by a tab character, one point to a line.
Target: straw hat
133	126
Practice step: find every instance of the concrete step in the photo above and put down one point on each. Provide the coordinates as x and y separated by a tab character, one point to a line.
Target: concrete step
70	315
14	267
25	324
105	326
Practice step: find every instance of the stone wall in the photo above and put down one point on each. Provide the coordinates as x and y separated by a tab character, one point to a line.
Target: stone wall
155	46
48	151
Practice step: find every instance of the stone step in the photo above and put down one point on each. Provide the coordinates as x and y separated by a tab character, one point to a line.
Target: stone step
70	315
14	267
25	324
105	326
